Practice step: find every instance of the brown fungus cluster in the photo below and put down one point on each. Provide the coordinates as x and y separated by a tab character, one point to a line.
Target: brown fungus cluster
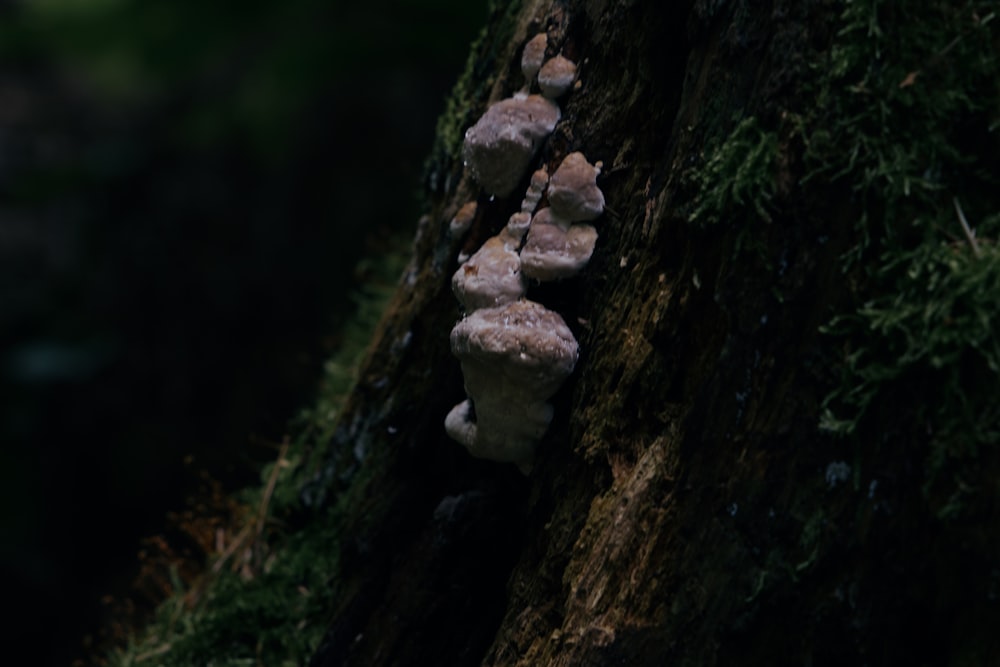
516	353
503	142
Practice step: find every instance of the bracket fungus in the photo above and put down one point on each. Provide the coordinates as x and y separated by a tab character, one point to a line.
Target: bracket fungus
554	251
499	147
492	276
516	353
536	188
514	358
556	247
556	77
573	192
533	56
462	220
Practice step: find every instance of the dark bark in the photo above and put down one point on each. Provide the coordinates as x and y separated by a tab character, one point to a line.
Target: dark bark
680	509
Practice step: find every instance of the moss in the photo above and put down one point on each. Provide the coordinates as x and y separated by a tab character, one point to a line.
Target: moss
738	177
271	588
911	100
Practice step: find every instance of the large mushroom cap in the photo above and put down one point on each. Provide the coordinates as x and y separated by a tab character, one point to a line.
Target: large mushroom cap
573	191
524	337
499	147
490	277
553	252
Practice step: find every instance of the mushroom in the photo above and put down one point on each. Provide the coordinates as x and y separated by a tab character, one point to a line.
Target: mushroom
463	219
555	249
532	57
556	77
573	192
492	276
514	358
517	225
499	147
536	188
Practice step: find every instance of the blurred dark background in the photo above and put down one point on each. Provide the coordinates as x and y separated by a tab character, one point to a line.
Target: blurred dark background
185	189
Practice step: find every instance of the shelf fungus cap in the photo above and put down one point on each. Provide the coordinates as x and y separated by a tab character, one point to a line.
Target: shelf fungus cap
553	251
533	56
520	340
536	188
573	192
500	146
514	358
518	224
492	276
556	77
463	219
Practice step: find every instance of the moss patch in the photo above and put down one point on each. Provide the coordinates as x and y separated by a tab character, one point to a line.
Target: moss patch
912	104
270	585
738	177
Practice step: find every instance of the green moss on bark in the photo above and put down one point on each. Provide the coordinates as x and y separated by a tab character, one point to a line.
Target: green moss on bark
910	111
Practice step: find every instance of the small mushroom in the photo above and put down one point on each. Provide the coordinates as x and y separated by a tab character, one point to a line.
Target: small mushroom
518	224
536	189
499	147
492	276
573	192
555	250
532	57
463	219
556	77
514	358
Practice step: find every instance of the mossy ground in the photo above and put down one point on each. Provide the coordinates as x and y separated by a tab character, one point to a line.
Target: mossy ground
267	587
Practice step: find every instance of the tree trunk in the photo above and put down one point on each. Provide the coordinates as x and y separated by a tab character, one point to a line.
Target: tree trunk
726	480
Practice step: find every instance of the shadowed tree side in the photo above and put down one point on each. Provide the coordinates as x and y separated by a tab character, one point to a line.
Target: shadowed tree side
778	443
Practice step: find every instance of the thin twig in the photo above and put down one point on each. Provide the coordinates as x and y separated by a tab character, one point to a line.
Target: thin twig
269	490
253	530
969	234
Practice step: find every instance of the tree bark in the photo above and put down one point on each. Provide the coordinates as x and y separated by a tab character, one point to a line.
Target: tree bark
686	507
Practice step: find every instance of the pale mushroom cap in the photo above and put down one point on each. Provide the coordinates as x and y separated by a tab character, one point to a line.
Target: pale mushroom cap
500	431
514	358
536	188
552	252
518	224
556	77
458	424
533	56
523	338
490	277
463	218
499	147
573	192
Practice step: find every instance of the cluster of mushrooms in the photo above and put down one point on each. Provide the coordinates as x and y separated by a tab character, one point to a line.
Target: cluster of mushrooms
516	353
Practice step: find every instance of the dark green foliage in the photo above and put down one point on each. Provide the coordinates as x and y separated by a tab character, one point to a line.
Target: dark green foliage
910	104
738	177
273	609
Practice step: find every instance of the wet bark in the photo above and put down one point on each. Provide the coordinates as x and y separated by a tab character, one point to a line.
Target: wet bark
679	512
